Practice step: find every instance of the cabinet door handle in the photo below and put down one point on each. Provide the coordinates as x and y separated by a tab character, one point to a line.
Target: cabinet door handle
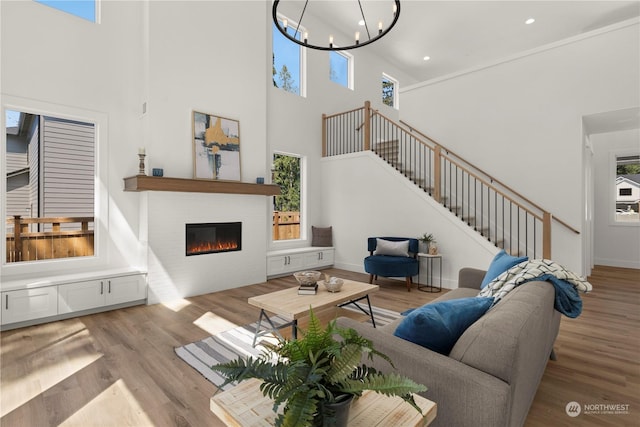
109	285
101	287
6	302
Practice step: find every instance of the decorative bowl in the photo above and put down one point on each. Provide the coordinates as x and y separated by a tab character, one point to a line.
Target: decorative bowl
308	278
334	284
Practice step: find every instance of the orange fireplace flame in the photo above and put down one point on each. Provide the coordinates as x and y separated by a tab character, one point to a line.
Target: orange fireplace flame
218	246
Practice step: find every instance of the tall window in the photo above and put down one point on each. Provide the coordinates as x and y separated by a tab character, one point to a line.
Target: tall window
286	207
627	188
50	200
288	61
341	68
389	91
85	9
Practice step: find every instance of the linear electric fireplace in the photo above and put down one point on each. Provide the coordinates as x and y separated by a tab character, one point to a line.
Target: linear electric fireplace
213	237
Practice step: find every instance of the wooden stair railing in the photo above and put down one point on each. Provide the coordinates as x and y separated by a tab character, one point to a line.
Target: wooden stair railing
496	211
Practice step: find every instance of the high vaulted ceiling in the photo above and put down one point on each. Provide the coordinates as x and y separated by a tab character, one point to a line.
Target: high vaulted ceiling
458	35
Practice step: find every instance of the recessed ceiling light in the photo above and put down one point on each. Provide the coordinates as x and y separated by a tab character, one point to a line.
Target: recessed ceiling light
361	22
426	58
530	21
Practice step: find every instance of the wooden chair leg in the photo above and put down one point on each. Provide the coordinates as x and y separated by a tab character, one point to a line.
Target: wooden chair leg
371	279
409	283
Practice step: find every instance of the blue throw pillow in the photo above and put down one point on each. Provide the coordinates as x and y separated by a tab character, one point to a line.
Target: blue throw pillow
438	326
501	263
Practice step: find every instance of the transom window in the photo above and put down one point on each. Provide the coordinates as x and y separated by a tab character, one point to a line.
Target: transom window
288	60
389	91
341	68
85	9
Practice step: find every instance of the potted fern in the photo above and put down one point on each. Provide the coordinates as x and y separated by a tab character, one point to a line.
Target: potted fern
319	370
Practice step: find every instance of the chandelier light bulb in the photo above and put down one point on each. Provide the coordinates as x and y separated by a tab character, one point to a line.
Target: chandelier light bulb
357	37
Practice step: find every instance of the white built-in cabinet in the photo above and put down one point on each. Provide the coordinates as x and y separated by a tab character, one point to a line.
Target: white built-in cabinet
28	304
100	293
62	297
292	260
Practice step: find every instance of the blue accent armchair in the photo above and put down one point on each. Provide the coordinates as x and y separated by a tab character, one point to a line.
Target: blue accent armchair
393	262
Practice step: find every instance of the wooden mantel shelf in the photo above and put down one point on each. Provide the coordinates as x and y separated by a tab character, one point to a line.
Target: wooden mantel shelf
157	183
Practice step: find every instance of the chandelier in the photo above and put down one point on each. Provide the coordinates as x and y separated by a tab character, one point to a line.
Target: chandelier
368	38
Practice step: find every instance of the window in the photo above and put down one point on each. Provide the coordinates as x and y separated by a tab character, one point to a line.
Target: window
341	68
288	61
50	197
85	9
627	186
389	91
286	207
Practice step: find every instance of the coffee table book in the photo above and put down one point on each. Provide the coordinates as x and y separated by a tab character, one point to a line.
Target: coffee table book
308	289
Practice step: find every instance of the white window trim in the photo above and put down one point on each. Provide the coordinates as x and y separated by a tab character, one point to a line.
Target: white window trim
101	192
396	91
613	194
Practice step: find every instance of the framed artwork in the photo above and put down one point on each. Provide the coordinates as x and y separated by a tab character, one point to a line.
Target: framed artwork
216	147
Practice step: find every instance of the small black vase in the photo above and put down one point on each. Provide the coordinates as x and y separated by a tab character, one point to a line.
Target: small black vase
335	414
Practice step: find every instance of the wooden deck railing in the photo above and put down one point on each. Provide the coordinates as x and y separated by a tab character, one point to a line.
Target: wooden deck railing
496	211
286	225
56	241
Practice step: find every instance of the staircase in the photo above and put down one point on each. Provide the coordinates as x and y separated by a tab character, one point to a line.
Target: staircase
488	206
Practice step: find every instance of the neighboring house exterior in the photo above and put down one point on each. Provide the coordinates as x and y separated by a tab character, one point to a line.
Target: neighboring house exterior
50	169
628	192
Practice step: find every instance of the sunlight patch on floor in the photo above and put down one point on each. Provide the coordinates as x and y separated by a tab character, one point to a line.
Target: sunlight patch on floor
48	367
213	323
176	305
114	406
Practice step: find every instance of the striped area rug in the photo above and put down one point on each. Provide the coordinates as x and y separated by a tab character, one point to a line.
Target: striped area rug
228	345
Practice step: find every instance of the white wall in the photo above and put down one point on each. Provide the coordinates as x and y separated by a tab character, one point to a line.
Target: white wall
62	65
175	56
520	119
294	122
615	244
365	197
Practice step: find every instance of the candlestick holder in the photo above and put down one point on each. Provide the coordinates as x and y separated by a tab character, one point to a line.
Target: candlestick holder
141	165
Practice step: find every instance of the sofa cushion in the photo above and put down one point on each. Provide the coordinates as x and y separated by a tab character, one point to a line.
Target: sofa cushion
501	263
437	326
387	247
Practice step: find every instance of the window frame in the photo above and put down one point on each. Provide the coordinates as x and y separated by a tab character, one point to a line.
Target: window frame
613	191
396	88
350	68
303	55
303	201
101	190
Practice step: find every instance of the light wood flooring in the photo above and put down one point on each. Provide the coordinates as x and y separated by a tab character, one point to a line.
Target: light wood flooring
119	368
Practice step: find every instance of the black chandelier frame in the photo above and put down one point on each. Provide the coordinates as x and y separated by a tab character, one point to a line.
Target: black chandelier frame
332	47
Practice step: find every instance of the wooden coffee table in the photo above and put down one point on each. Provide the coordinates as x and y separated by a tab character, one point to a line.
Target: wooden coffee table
245	406
291	306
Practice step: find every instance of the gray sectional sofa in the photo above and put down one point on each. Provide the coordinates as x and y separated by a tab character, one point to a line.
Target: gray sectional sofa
493	371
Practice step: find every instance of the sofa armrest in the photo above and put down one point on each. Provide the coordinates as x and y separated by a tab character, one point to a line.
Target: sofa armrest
465	396
470	278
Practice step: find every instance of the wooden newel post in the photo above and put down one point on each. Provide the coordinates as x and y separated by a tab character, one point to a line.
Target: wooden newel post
367	126
546	235
17	238
436	172
324	135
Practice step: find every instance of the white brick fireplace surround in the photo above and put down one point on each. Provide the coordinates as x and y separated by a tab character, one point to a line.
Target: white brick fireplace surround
171	274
